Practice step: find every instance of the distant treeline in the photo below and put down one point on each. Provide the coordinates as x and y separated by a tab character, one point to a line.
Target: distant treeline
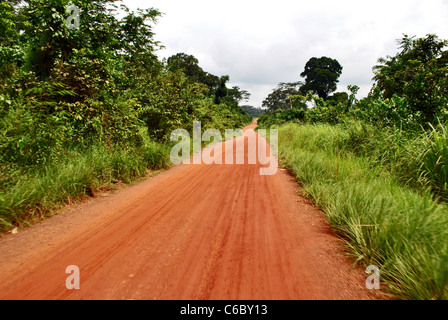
253	111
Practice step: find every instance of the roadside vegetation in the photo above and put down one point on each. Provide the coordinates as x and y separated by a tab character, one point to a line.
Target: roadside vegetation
87	109
377	167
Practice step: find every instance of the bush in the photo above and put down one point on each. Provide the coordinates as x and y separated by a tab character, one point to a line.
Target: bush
279	116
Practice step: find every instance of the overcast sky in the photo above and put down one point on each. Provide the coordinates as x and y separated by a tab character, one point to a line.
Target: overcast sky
261	43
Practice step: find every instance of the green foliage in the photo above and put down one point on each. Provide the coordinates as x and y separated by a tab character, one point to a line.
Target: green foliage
217	86
419	73
168	103
221	116
189	65
11	53
235	95
29	137
32	133
329	113
101	82
395	111
222	90
321	76
339	98
279	117
282	98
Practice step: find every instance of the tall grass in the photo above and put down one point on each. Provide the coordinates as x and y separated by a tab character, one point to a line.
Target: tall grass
384	222
34	194
434	161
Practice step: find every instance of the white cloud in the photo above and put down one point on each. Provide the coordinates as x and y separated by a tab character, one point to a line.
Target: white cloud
261	43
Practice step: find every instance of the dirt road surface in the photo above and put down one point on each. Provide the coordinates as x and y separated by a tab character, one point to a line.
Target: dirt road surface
208	232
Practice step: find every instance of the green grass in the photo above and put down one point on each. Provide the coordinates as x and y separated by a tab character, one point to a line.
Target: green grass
32	195
434	166
384	221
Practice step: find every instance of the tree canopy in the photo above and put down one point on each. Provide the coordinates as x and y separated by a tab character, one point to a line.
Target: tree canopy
189	65
418	72
281	97
321	76
99	83
217	86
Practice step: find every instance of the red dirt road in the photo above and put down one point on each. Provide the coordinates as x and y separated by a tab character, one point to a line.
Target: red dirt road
192	232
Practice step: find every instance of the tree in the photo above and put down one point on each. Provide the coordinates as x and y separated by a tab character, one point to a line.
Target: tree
85	79
353	92
84	61
418	72
217	86
281	97
235	95
189	65
321	76
222	90
136	42
11	52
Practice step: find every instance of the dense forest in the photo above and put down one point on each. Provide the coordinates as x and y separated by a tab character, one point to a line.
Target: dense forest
87	103
378	166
